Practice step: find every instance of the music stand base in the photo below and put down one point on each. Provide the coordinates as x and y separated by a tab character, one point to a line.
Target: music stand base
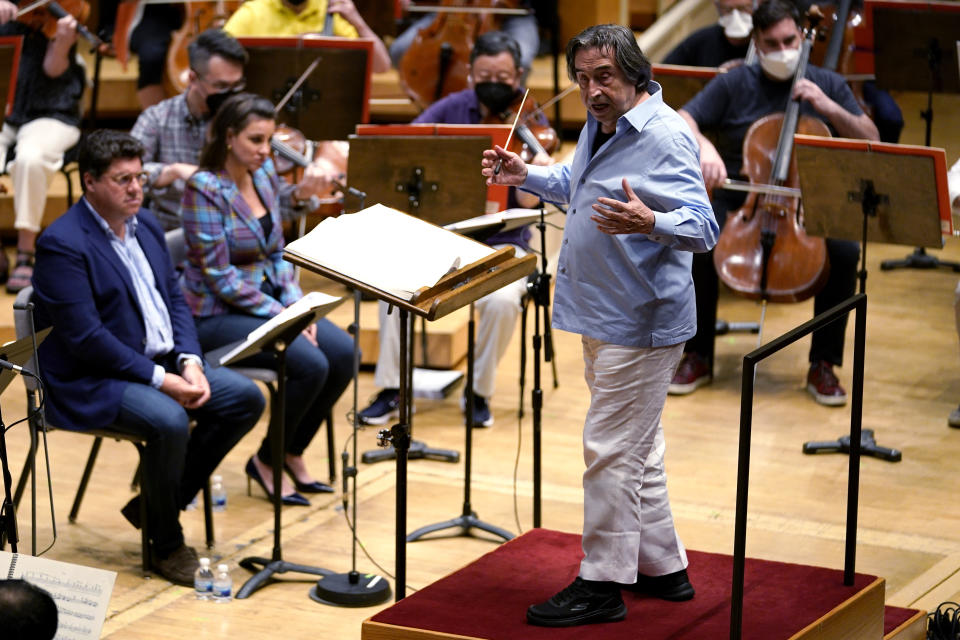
724	327
264	575
919	259
418	450
868	447
464	523
350	589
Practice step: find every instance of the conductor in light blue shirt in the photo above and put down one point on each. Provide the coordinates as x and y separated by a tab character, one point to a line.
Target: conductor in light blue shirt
637	211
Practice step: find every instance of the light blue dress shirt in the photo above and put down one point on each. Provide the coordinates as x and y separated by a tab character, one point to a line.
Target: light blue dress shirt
634	290
156	317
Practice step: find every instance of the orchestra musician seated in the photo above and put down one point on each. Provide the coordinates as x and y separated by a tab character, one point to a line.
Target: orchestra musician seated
495	76
299	17
236	279
727	39
123	353
173	132
728	105
43	124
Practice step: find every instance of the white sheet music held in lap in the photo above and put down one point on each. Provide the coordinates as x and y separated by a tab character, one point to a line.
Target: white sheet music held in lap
387	249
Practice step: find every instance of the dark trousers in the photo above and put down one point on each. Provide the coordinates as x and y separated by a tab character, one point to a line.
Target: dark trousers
316	376
178	461
826	343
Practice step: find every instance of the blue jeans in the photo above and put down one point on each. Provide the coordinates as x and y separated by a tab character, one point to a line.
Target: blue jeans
316	376
177	462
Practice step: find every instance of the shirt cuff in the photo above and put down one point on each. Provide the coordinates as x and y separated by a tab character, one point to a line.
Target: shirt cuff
184	358
158	374
536	178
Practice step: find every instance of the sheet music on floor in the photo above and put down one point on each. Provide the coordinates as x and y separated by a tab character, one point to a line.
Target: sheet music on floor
510	219
314	300
387	249
81	593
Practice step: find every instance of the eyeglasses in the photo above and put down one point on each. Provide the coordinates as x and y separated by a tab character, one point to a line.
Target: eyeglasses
221	87
124	179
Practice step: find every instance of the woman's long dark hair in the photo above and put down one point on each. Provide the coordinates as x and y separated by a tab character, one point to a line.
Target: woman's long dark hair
232	117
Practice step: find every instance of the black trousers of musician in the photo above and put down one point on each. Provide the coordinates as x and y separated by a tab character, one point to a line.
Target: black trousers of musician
827	343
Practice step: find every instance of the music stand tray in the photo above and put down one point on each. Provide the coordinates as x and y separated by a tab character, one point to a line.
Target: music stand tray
19	353
460	287
681	82
871	191
335	96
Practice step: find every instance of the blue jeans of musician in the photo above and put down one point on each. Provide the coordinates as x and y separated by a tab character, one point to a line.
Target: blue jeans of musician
176	460
316	376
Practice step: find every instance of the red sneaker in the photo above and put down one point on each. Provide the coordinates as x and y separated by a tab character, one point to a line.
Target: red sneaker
692	373
824	386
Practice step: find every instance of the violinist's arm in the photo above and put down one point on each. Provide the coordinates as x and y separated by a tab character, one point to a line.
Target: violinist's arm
846	123
8	11
57	58
711	164
346	8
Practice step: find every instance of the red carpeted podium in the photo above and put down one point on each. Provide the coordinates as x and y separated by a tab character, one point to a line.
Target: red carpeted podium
488	599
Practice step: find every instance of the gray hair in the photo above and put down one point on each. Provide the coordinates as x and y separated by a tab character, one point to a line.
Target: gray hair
618	42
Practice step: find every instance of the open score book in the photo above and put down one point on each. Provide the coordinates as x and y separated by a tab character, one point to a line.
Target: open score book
387	249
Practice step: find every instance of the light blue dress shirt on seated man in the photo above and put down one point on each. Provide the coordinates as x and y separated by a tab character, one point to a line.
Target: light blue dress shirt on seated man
635	289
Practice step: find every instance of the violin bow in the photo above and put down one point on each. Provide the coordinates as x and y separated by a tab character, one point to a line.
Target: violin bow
296	85
496	169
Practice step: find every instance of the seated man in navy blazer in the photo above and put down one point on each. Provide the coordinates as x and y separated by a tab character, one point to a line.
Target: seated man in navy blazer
123	351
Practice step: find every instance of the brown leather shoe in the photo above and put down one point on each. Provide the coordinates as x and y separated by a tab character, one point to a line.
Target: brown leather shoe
179	566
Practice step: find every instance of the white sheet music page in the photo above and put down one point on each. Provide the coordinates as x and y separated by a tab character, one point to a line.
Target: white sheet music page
387	249
81	593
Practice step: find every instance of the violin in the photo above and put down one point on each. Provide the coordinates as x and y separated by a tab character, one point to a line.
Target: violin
438	61
763	251
42	15
293	152
531	135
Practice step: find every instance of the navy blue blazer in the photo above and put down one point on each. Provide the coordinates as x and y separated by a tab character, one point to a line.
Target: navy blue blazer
83	289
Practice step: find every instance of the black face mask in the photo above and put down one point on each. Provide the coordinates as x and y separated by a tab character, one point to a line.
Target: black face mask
296	3
495	96
214	100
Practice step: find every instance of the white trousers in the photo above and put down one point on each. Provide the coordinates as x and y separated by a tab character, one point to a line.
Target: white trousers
41	144
496	319
627	523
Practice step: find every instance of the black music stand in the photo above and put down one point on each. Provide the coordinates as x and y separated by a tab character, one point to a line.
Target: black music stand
331	100
275	342
467	519
432	178
877	192
915	49
458	288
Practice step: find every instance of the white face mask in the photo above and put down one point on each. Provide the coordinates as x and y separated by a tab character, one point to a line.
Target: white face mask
736	24
780	64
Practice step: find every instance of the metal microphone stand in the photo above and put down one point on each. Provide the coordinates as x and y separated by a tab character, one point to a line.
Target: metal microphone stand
8	514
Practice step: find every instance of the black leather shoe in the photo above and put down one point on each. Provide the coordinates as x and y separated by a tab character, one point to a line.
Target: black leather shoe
583	602
179	566
675	586
294	499
308	487
131	511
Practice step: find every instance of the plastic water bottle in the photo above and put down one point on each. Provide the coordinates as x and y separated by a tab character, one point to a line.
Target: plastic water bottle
218	495
203	580
222	584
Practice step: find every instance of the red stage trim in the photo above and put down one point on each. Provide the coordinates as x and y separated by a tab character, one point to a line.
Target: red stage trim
488	599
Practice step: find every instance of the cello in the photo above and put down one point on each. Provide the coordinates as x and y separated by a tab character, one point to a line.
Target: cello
763	251
200	16
438	61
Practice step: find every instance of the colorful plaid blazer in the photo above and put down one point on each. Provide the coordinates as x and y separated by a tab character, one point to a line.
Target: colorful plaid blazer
228	256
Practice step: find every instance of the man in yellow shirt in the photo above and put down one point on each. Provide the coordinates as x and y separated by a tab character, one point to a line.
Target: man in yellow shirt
297	17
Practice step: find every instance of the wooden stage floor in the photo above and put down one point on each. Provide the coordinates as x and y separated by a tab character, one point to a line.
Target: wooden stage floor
909	522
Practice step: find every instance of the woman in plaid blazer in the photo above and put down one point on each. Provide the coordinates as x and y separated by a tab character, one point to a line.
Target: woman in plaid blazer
235	279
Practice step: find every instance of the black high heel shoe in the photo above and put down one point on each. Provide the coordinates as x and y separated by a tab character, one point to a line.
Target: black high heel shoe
307	487
294	499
